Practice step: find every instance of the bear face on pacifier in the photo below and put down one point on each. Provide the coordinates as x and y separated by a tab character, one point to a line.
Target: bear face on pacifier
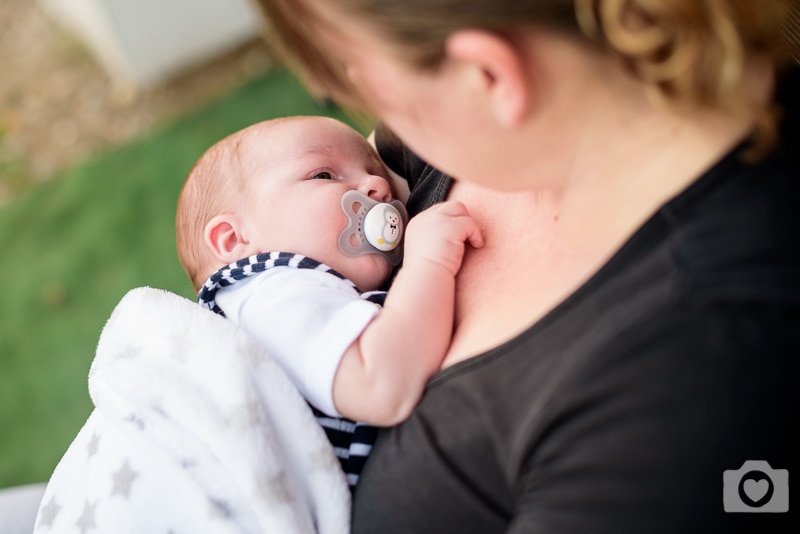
372	227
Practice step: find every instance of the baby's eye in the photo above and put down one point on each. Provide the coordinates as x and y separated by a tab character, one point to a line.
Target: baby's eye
324	175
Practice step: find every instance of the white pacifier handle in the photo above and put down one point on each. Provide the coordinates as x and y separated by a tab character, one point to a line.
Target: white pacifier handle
373	227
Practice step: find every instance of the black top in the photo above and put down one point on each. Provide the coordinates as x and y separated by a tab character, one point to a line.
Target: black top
622	408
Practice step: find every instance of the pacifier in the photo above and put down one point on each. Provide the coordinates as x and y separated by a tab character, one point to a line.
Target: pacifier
372	227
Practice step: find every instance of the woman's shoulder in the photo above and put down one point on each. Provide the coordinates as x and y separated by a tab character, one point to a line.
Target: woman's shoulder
735	232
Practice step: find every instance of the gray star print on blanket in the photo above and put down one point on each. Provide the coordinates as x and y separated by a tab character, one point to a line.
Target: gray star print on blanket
195	429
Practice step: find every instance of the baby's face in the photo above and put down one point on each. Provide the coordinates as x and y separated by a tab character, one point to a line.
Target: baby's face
305	165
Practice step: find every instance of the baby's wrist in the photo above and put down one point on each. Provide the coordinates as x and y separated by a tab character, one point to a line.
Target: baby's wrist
433	266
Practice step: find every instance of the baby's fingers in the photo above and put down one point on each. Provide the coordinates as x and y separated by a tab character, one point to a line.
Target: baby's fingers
471	232
474	236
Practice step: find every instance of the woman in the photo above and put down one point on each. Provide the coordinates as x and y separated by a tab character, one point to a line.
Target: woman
628	334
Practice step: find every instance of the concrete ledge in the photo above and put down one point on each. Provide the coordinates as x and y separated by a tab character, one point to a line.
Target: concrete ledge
142	43
18	507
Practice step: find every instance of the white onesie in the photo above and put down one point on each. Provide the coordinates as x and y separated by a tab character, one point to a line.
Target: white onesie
305	318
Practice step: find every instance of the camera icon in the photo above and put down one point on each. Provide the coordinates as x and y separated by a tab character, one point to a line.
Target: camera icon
756	488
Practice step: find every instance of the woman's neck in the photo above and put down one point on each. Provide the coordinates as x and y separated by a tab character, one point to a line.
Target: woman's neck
616	182
616	160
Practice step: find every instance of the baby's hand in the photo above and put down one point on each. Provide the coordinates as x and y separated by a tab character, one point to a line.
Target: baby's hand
438	235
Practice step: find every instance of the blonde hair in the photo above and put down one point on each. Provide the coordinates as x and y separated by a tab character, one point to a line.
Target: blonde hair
686	51
214	185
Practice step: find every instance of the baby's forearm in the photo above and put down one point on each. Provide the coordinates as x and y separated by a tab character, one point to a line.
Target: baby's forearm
383	373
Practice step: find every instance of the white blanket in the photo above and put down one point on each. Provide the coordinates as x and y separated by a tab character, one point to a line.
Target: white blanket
195	429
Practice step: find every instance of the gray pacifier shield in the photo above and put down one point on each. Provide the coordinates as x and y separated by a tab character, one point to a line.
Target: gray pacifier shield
373	227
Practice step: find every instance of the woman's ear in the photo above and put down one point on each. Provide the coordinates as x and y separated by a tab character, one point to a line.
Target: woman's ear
223	234
502	69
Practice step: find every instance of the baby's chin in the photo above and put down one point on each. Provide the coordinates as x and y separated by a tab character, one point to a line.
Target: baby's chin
368	272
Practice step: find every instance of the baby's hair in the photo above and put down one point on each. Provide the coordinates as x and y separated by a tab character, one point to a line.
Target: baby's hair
214	185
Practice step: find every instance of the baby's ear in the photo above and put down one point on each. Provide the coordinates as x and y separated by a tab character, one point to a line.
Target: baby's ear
224	237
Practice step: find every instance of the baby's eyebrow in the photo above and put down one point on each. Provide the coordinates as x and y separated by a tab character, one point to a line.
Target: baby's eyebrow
321	149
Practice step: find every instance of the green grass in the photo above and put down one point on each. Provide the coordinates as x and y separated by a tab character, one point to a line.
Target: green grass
73	247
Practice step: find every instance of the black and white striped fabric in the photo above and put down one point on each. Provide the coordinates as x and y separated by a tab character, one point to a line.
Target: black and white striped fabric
259	263
351	441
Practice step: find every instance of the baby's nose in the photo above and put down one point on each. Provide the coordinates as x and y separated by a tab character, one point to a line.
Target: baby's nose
376	188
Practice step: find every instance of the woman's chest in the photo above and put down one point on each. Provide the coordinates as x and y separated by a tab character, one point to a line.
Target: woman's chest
517	277
453	466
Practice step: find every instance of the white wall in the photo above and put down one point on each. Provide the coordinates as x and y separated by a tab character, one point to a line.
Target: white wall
142	43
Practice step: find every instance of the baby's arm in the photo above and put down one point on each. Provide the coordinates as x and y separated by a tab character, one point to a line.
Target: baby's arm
382	375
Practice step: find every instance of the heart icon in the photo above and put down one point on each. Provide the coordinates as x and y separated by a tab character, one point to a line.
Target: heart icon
756	489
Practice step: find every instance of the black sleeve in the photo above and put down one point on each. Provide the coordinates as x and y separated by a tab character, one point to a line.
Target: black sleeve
397	156
427	184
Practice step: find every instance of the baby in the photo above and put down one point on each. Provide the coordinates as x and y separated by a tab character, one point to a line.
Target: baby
271	231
